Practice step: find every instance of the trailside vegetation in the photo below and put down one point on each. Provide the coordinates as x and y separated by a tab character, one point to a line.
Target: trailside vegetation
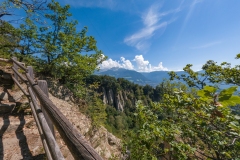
185	124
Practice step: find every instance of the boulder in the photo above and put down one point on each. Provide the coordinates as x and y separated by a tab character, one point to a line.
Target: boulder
3	96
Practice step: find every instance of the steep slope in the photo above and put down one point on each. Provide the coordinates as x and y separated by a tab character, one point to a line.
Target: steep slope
104	142
19	137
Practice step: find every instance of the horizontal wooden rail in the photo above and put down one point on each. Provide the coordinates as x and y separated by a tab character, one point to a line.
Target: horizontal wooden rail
19	75
5	60
77	145
10	61
52	144
20	65
47	151
18	84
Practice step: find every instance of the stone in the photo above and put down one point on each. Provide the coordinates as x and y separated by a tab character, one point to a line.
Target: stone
3	96
16	97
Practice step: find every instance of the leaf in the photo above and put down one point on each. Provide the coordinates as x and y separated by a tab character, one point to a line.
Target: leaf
206	92
230	100
226	97
227	93
210	89
237	117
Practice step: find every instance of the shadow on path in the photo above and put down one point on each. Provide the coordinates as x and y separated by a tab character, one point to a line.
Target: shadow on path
6	123
25	151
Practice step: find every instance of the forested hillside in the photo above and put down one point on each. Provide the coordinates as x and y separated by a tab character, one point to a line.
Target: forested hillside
120	97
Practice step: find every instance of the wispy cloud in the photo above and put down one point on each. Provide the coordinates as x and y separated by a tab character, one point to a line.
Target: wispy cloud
189	14
210	44
151	23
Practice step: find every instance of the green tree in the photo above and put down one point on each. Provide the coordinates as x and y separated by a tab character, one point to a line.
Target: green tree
62	51
190	124
96	109
9	39
59	49
212	72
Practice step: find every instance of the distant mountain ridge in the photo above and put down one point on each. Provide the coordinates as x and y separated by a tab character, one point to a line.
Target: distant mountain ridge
144	78
141	78
131	75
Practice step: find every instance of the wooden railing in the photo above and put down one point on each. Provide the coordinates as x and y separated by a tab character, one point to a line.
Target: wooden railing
48	113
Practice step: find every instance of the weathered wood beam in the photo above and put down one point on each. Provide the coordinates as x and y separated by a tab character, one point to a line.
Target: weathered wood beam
5	60
19	85
20	65
19	75
44	87
47	151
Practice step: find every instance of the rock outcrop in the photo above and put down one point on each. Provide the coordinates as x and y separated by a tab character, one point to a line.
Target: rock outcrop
117	100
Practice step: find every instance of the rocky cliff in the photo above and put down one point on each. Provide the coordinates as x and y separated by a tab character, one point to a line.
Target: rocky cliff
117	99
114	99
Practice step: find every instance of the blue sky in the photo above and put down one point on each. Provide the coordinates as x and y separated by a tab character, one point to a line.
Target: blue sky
150	35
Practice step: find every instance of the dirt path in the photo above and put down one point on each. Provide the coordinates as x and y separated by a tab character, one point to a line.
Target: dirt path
19	138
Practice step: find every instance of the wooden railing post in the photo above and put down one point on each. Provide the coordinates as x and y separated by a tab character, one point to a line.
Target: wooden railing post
30	71
16	67
44	87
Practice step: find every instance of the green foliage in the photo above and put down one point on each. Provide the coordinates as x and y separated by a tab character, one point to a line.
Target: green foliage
64	49
95	109
9	39
194	127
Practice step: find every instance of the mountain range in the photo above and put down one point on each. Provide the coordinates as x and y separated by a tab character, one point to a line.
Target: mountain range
144	78
141	78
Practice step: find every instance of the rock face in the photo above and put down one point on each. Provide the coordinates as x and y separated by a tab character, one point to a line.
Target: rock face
120	101
117	100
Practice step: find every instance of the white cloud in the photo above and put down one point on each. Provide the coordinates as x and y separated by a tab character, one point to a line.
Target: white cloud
141	64
151	20
126	64
123	63
145	66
